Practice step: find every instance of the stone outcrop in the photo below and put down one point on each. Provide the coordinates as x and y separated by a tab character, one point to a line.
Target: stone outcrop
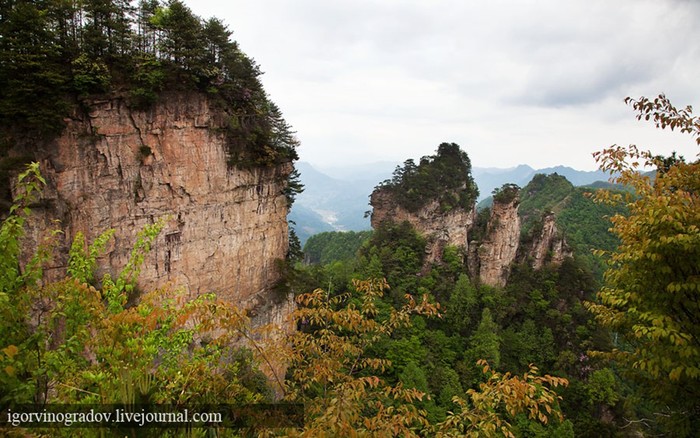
491	256
548	247
500	246
116	167
440	228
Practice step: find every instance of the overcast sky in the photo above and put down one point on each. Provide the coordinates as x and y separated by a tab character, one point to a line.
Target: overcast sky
513	82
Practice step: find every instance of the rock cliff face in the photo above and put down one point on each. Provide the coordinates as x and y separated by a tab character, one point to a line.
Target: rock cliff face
500	245
489	258
440	228
548	246
115	167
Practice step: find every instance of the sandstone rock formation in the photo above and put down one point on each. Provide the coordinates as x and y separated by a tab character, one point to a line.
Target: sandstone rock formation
440	228
548	246
500	245
490	258
116	167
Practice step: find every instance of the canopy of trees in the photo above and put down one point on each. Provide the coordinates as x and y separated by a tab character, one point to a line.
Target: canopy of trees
353	361
445	177
56	53
334	246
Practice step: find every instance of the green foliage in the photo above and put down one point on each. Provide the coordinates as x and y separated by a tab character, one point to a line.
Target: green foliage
602	387
12	277
295	253
444	177
32	70
462	311
148	80
83	261
67	342
89	76
399	251
651	286
586	224
347	392
293	187
333	374
485	342
506	193
513	395
118	292
334	246
542	195
59	53
583	222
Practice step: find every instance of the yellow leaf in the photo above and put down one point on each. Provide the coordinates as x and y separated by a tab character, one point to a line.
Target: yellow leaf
10	370
11	351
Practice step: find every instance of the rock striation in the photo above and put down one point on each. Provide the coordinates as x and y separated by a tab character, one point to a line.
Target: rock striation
440	228
500	247
548	247
117	167
490	252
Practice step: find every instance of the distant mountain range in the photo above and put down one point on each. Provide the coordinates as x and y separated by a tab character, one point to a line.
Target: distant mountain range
336	199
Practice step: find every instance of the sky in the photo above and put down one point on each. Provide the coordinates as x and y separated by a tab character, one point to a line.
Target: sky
512	82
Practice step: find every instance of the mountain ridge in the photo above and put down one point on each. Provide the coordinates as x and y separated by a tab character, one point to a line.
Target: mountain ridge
336	197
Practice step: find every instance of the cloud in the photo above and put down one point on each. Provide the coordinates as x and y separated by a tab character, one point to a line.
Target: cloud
537	82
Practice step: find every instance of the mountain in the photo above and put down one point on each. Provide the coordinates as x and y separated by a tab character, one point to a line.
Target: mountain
336	198
490	178
338	202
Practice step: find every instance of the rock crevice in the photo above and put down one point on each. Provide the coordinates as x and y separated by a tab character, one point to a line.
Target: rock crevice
123	168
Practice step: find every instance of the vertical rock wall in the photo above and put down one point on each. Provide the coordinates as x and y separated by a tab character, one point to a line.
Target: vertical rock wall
115	167
500	246
548	247
440	228
491	258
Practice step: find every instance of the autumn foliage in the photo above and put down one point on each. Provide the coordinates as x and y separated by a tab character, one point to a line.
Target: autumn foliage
651	297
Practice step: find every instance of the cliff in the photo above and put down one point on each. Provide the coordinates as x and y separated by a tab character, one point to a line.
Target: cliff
441	228
548	246
491	246
116	167
499	248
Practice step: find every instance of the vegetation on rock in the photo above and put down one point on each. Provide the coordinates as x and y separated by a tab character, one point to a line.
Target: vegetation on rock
444	177
80	341
57	56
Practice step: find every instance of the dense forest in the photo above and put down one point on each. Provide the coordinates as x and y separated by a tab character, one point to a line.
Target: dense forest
607	343
55	56
618	320
539	317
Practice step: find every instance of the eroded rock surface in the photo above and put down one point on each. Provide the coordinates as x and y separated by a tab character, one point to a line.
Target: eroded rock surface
116	167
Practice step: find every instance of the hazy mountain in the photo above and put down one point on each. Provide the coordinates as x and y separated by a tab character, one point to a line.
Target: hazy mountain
336	198
337	202
490	178
307	222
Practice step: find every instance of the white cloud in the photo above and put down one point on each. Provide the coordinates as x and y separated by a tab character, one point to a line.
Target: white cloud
536	82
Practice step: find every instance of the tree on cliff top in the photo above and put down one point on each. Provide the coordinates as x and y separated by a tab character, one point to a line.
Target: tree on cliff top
58	56
652	292
445	177
55	52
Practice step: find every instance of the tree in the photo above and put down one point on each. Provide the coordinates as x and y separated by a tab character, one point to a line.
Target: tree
31	71
107	33
333	373
445	177
485	341
480	416
651	295
462	309
182	39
